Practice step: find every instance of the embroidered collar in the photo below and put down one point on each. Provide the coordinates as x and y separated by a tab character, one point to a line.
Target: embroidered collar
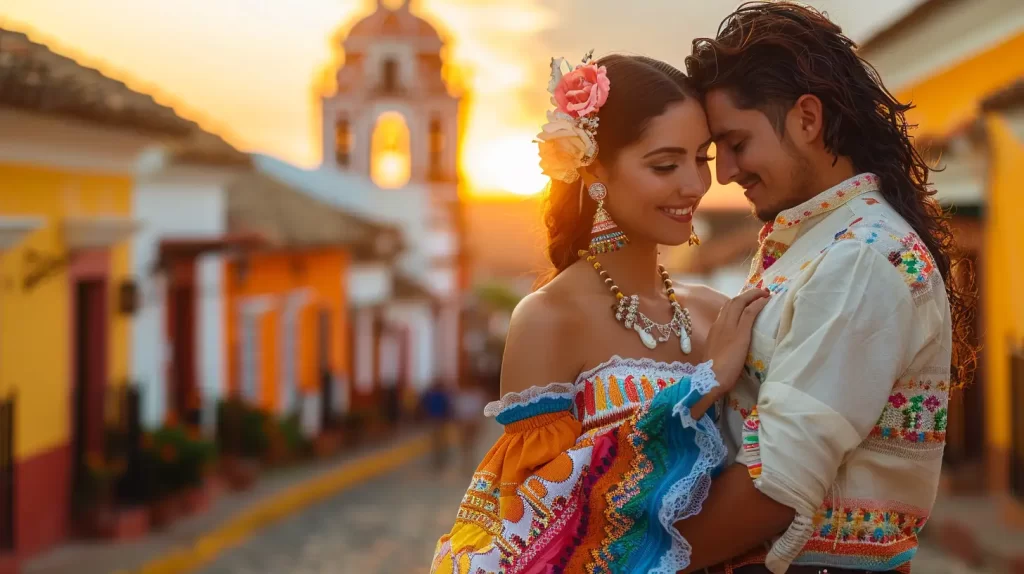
777	235
826	201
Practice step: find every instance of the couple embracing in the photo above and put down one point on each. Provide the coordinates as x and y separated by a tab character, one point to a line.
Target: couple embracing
651	426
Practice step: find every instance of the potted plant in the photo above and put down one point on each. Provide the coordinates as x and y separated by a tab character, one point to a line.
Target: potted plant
376	425
277	447
178	459
353	426
98	516
196	460
159	459
327	443
242	441
295	439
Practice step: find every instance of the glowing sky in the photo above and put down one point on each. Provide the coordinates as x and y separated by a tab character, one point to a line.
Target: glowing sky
250	69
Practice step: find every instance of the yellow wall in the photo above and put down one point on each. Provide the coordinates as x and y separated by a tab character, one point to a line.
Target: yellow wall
945	102
35	325
950	98
1003	279
273	274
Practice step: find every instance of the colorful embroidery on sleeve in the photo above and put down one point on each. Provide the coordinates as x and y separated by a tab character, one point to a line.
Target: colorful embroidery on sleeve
752	443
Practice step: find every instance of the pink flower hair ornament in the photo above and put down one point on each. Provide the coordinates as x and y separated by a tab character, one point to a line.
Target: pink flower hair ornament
568	141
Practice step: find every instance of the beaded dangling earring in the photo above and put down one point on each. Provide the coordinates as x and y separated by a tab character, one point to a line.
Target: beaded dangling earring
605	235
694	240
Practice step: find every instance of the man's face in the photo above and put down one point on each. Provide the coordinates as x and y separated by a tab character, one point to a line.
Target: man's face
750	152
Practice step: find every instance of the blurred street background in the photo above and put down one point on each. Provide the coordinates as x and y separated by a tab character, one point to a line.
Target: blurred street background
258	260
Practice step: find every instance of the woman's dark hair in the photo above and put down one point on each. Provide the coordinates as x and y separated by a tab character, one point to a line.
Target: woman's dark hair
769	54
641	89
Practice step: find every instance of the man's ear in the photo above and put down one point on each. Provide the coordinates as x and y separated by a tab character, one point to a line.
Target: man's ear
805	120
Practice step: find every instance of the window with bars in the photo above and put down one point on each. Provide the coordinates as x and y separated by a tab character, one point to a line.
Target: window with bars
389	79
436	150
343	142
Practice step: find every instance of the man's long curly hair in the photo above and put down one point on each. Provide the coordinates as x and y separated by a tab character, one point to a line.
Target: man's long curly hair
768	54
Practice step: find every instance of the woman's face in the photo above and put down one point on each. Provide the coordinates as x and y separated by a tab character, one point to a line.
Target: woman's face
656	183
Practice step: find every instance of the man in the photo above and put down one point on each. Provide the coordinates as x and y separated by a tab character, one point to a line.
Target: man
838	423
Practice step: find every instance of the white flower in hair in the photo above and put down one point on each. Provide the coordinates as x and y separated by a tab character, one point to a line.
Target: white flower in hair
569	140
564	147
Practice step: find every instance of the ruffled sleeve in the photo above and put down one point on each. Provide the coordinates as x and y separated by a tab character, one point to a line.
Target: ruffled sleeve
681	454
539	427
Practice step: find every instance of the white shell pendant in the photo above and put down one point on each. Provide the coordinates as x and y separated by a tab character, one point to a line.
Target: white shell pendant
646	338
684	342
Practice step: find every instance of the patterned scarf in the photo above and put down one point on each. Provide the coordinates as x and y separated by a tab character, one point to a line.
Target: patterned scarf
777	235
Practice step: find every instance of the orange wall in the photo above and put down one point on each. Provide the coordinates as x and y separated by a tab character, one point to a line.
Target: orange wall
276	274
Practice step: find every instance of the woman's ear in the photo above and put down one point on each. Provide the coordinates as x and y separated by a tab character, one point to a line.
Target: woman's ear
594	172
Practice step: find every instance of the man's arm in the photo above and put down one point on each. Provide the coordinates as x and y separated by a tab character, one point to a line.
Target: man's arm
830	377
735	519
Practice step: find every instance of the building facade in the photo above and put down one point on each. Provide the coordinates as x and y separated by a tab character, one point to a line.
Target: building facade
959	63
67	294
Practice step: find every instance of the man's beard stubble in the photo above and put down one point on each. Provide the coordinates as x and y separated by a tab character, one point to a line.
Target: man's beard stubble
802	189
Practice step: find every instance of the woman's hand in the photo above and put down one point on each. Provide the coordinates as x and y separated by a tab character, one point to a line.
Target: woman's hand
729	339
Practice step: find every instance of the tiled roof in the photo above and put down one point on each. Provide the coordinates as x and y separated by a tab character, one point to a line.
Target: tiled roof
35	78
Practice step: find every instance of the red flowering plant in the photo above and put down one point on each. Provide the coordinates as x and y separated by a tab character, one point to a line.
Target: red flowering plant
175	459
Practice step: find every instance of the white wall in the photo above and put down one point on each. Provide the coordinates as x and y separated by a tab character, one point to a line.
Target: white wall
37	139
169	208
290	350
418	318
210	317
368	284
448	342
363	365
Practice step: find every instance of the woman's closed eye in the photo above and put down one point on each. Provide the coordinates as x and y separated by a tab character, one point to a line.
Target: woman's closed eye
665	168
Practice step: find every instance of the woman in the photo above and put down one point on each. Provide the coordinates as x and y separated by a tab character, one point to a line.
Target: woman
601	454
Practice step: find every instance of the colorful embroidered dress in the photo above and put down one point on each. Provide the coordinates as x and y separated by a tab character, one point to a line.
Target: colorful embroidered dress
841	412
590	476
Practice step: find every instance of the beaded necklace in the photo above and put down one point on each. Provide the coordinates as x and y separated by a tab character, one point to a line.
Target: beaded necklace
627	312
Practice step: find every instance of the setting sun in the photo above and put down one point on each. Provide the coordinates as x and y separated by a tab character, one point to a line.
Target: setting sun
257	94
506	79
508	164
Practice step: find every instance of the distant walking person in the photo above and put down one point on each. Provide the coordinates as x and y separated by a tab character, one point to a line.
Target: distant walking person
438	409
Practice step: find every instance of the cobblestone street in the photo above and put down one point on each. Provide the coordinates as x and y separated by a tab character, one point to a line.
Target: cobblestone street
390	526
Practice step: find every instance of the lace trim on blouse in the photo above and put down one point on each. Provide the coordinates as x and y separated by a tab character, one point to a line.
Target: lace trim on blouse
530	396
645	366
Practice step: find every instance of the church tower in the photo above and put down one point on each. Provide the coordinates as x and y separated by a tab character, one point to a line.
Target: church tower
394	121
392	118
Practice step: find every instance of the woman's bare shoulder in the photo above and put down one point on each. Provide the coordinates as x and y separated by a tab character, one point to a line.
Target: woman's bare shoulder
541	347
